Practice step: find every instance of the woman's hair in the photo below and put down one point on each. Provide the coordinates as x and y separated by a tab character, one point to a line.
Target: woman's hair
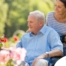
64	2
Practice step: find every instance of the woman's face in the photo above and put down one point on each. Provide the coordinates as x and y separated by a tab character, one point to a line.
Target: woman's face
59	7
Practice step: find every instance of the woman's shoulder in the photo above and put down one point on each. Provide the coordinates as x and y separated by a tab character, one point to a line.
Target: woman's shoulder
50	14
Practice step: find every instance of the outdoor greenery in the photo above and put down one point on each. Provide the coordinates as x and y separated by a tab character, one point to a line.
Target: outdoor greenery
13	20
13	13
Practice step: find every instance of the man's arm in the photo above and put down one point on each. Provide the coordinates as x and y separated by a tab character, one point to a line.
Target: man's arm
19	44
55	44
53	53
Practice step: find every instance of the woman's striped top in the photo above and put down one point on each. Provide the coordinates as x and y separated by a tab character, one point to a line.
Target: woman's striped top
60	27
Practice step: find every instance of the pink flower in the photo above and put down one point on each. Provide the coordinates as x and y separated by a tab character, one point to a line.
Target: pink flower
18	54
4	56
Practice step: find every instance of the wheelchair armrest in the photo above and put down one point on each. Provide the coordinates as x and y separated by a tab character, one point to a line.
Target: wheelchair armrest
55	59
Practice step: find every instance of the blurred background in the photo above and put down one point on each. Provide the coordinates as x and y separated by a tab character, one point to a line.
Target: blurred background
13	16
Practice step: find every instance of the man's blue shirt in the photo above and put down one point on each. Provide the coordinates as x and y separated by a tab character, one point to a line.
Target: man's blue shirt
47	39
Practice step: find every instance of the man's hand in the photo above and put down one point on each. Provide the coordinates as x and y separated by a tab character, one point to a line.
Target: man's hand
39	57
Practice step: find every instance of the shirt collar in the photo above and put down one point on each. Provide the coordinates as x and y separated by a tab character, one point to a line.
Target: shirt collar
43	30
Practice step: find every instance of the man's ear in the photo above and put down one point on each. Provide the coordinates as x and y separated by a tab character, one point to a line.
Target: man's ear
41	23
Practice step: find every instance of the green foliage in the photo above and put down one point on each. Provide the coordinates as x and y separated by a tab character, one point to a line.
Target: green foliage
10	63
3	15
1	45
17	16
18	10
42	5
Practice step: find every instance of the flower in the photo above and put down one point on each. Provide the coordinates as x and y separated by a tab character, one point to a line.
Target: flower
18	54
4	56
12	54
15	38
3	39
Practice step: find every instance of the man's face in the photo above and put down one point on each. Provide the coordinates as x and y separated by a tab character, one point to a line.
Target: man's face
33	24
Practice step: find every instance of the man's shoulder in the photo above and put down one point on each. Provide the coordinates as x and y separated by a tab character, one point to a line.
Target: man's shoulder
52	32
50	29
27	33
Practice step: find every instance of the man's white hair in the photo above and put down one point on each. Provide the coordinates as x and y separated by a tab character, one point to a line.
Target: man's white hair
39	15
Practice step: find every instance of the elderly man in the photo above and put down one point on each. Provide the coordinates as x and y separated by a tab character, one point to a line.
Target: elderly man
41	43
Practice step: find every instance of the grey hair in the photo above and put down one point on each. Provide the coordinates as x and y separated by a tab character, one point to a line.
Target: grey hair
39	15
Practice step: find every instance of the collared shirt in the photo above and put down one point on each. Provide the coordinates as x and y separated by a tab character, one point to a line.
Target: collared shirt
47	39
